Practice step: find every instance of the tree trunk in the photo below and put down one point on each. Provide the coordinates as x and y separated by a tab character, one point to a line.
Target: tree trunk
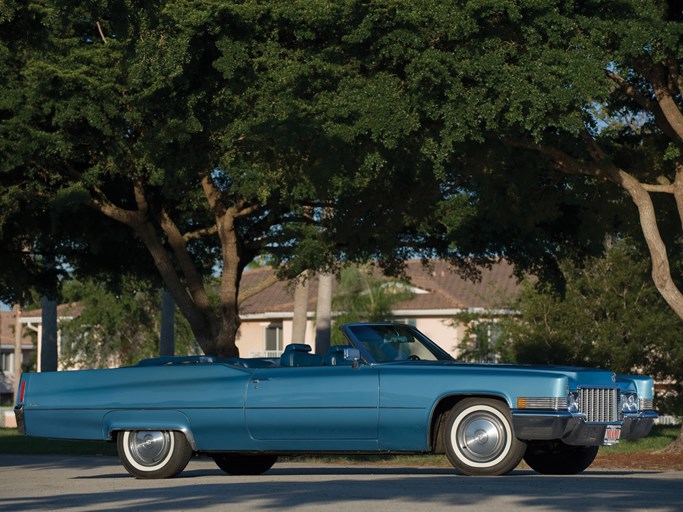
661	270
677	445
300	309
323	321
215	328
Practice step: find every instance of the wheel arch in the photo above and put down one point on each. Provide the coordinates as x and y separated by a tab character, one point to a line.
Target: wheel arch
116	422
440	411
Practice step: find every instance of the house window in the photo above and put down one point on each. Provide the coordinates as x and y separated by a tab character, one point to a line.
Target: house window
7	362
483	345
274	337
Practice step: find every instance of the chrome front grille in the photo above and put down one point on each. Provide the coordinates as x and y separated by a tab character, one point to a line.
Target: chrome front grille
600	405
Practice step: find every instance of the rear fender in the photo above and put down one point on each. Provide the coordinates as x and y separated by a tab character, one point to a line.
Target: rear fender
117	421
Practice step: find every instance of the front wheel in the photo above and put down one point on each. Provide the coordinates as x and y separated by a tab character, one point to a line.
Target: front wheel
480	439
153	453
236	464
558	458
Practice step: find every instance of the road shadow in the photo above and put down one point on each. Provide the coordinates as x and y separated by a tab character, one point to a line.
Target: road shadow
316	487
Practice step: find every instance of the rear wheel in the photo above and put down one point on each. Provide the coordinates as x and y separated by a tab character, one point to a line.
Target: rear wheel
479	438
558	458
237	464
153	453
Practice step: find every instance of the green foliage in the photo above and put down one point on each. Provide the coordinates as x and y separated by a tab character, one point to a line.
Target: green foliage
116	327
484	340
361	295
404	127
11	442
610	316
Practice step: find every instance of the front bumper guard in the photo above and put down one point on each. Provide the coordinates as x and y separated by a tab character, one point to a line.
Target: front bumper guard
573	429
19	415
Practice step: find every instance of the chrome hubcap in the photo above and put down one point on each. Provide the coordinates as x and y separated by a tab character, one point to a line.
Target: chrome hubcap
481	437
149	447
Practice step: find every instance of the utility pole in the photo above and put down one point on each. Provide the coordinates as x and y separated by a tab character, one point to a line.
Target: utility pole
300	310
48	355
18	331
167	335
323	320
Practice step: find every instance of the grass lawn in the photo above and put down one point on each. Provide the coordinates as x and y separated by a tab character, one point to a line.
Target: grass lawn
11	442
658	438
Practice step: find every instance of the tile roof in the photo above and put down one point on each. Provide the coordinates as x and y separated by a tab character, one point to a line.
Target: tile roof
445	289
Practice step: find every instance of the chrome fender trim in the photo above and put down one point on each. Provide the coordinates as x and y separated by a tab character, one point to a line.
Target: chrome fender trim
133	419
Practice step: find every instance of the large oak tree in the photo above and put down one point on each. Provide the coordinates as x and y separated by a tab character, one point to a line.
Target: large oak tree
211	131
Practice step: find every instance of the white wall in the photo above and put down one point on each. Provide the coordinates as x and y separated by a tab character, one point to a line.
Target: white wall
251	340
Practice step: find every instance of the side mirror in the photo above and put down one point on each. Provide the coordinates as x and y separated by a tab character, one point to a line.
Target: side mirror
351	353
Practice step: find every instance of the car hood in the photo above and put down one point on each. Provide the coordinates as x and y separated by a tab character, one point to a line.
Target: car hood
577	376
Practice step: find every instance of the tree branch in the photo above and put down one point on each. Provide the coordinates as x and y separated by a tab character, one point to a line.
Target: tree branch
632	92
140	198
678	189
99	29
200	233
102	203
664	189
143	228
659	78
661	270
561	159
674	75
213	196
651	106
177	242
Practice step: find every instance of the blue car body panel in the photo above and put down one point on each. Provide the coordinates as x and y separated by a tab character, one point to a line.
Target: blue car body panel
410	393
358	405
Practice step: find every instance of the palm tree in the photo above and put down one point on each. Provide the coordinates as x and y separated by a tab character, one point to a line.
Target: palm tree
363	295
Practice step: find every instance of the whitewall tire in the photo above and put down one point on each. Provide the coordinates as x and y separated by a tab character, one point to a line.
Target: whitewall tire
153	453
480	439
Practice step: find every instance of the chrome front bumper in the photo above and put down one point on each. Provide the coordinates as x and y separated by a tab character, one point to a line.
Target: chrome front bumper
573	429
19	415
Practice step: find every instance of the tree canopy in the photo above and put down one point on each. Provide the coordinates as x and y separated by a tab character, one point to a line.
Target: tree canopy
180	139
590	89
610	316
116	325
362	295
210	131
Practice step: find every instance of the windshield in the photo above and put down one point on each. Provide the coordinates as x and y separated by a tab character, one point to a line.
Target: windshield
384	343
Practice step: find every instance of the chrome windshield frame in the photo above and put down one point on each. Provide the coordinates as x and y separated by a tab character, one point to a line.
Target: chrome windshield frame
350	332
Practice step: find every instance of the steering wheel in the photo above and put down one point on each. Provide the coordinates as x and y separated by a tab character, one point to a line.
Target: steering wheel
413	357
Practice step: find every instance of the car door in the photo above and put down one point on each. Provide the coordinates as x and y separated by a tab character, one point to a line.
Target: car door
320	405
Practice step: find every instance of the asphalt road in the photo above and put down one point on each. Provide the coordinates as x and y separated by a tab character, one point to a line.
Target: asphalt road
51	483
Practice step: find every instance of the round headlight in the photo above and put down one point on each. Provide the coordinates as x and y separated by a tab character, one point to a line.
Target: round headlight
629	403
573	402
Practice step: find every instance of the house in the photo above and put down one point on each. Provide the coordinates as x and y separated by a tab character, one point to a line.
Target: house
31	330
439	294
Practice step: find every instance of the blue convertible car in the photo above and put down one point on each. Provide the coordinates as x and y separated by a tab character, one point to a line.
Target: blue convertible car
390	390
